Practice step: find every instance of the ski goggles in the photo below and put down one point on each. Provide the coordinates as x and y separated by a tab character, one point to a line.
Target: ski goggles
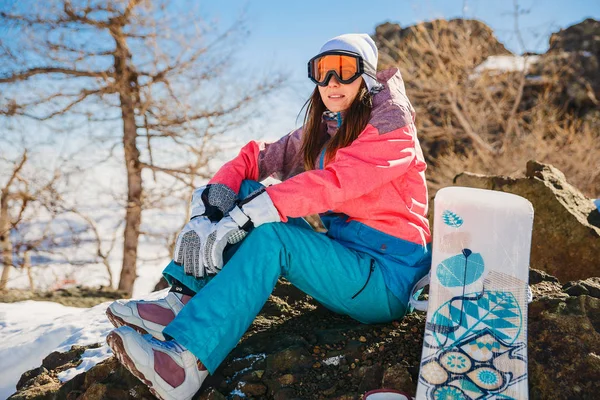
346	66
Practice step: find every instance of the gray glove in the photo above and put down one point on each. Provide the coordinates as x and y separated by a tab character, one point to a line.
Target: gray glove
189	242
209	204
212	201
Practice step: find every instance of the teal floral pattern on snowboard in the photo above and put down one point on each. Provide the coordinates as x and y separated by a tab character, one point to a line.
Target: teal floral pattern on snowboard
460	270
451	219
481	366
462	316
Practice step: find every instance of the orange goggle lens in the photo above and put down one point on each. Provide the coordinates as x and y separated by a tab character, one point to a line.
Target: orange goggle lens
346	67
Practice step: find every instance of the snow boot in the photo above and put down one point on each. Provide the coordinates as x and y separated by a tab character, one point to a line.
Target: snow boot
147	316
170	371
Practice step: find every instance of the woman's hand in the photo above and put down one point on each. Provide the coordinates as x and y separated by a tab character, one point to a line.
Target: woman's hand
189	243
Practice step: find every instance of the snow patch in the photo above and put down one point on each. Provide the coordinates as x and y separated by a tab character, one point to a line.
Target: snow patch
499	64
237	391
31	330
333	360
89	358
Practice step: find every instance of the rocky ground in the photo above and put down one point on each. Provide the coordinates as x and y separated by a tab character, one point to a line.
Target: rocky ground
70	297
296	349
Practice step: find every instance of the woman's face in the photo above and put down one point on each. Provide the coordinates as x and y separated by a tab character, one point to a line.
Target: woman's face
337	96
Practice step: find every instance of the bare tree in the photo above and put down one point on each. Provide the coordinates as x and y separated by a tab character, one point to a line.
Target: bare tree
6	223
22	200
156	70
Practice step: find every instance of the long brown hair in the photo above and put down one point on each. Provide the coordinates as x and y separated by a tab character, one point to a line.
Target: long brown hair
354	122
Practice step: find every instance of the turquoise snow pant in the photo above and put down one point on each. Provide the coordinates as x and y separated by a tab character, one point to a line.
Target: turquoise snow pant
215	319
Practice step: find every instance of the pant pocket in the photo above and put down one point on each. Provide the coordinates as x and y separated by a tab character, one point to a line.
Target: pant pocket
371	269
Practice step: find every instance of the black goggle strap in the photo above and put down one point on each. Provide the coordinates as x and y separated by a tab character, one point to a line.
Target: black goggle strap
368	69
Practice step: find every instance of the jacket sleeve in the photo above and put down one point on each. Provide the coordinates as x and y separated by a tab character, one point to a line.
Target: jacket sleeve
372	160
259	160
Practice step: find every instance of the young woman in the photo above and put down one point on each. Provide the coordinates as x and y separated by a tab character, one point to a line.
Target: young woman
357	162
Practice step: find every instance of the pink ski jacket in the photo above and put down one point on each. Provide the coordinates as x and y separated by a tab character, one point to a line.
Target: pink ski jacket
378	180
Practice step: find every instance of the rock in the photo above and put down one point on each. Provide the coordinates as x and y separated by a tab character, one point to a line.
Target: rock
284	394
211	394
42	387
289	293
77	296
347	397
254	389
100	372
96	391
590	287
572	76
564	338
544	285
397	377
286	379
584	36
289	359
108	378
537	276
371	378
55	359
330	391
29	375
391	38
258	373
566	227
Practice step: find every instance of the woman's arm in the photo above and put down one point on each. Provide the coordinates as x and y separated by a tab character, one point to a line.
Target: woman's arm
259	160
372	160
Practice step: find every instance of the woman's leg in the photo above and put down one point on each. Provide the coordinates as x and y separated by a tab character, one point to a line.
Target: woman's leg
214	320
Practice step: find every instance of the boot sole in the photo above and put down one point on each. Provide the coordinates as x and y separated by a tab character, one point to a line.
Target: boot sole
118	347
118	322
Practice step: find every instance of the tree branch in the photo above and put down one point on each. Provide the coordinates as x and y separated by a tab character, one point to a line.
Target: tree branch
24	75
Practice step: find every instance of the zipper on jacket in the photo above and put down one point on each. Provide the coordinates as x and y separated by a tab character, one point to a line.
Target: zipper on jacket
371	269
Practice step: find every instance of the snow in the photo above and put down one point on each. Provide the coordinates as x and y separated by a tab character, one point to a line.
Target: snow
253	359
333	360
500	64
30	330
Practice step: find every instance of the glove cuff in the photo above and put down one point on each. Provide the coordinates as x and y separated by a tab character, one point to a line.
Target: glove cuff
259	207
241	219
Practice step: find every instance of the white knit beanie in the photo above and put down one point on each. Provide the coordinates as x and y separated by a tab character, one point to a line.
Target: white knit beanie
360	43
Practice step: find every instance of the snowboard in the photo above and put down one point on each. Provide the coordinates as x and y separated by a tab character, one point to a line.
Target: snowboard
475	342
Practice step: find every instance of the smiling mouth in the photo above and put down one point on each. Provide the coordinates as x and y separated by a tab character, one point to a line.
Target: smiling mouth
336	96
